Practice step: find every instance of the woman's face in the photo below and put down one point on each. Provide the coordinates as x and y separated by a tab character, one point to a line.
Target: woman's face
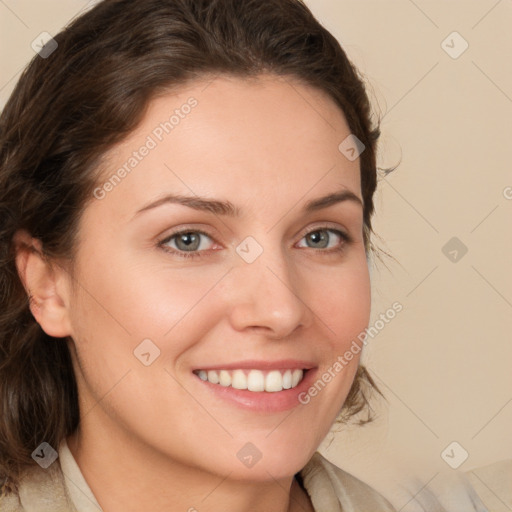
257	292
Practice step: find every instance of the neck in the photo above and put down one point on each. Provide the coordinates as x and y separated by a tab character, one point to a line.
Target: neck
127	475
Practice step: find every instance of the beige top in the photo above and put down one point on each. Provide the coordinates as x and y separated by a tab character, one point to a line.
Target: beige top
62	488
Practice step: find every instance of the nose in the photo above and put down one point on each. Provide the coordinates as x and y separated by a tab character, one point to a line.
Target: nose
267	295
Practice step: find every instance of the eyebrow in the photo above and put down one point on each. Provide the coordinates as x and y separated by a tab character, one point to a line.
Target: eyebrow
227	208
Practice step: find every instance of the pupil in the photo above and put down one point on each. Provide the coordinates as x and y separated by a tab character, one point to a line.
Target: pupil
188	239
318	236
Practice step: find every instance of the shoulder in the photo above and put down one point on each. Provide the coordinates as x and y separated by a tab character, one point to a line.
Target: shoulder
331	488
41	490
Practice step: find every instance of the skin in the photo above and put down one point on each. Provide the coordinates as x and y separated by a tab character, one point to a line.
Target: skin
152	437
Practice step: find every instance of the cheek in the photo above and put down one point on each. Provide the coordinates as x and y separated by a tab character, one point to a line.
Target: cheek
342	302
113	314
342	305
128	302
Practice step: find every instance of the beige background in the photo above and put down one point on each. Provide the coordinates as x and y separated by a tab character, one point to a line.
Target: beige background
444	361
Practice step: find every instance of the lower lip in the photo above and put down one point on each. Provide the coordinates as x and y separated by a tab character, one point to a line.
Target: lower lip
262	401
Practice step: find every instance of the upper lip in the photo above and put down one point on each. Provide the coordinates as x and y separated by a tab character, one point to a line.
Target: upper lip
283	364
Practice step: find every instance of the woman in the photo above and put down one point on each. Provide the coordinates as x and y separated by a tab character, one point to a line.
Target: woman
186	195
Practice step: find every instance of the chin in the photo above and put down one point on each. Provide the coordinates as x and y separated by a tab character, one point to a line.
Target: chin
272	465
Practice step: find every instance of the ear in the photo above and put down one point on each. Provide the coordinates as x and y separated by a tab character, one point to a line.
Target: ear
47	285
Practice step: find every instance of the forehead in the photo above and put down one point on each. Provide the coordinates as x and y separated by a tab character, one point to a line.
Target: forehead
252	141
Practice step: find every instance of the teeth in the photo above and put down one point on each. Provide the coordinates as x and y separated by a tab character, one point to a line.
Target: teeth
224	378
274	381
239	380
256	381
287	379
212	376
296	377
253	380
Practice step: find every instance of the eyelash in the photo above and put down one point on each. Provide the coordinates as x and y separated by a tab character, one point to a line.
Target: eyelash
346	239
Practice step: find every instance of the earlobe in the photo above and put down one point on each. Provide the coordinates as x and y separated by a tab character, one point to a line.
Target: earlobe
44	284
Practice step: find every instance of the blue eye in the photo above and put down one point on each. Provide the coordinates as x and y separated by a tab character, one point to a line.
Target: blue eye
188	243
320	237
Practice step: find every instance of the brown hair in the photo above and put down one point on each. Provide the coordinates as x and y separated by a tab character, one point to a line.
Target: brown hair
73	105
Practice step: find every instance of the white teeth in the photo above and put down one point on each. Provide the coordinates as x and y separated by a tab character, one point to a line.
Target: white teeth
213	377
224	378
296	377
254	380
287	379
274	381
239	380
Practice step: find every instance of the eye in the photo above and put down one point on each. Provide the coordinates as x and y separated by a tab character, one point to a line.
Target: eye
187	244
321	239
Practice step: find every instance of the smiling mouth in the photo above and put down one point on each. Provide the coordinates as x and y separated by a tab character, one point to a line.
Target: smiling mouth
254	380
